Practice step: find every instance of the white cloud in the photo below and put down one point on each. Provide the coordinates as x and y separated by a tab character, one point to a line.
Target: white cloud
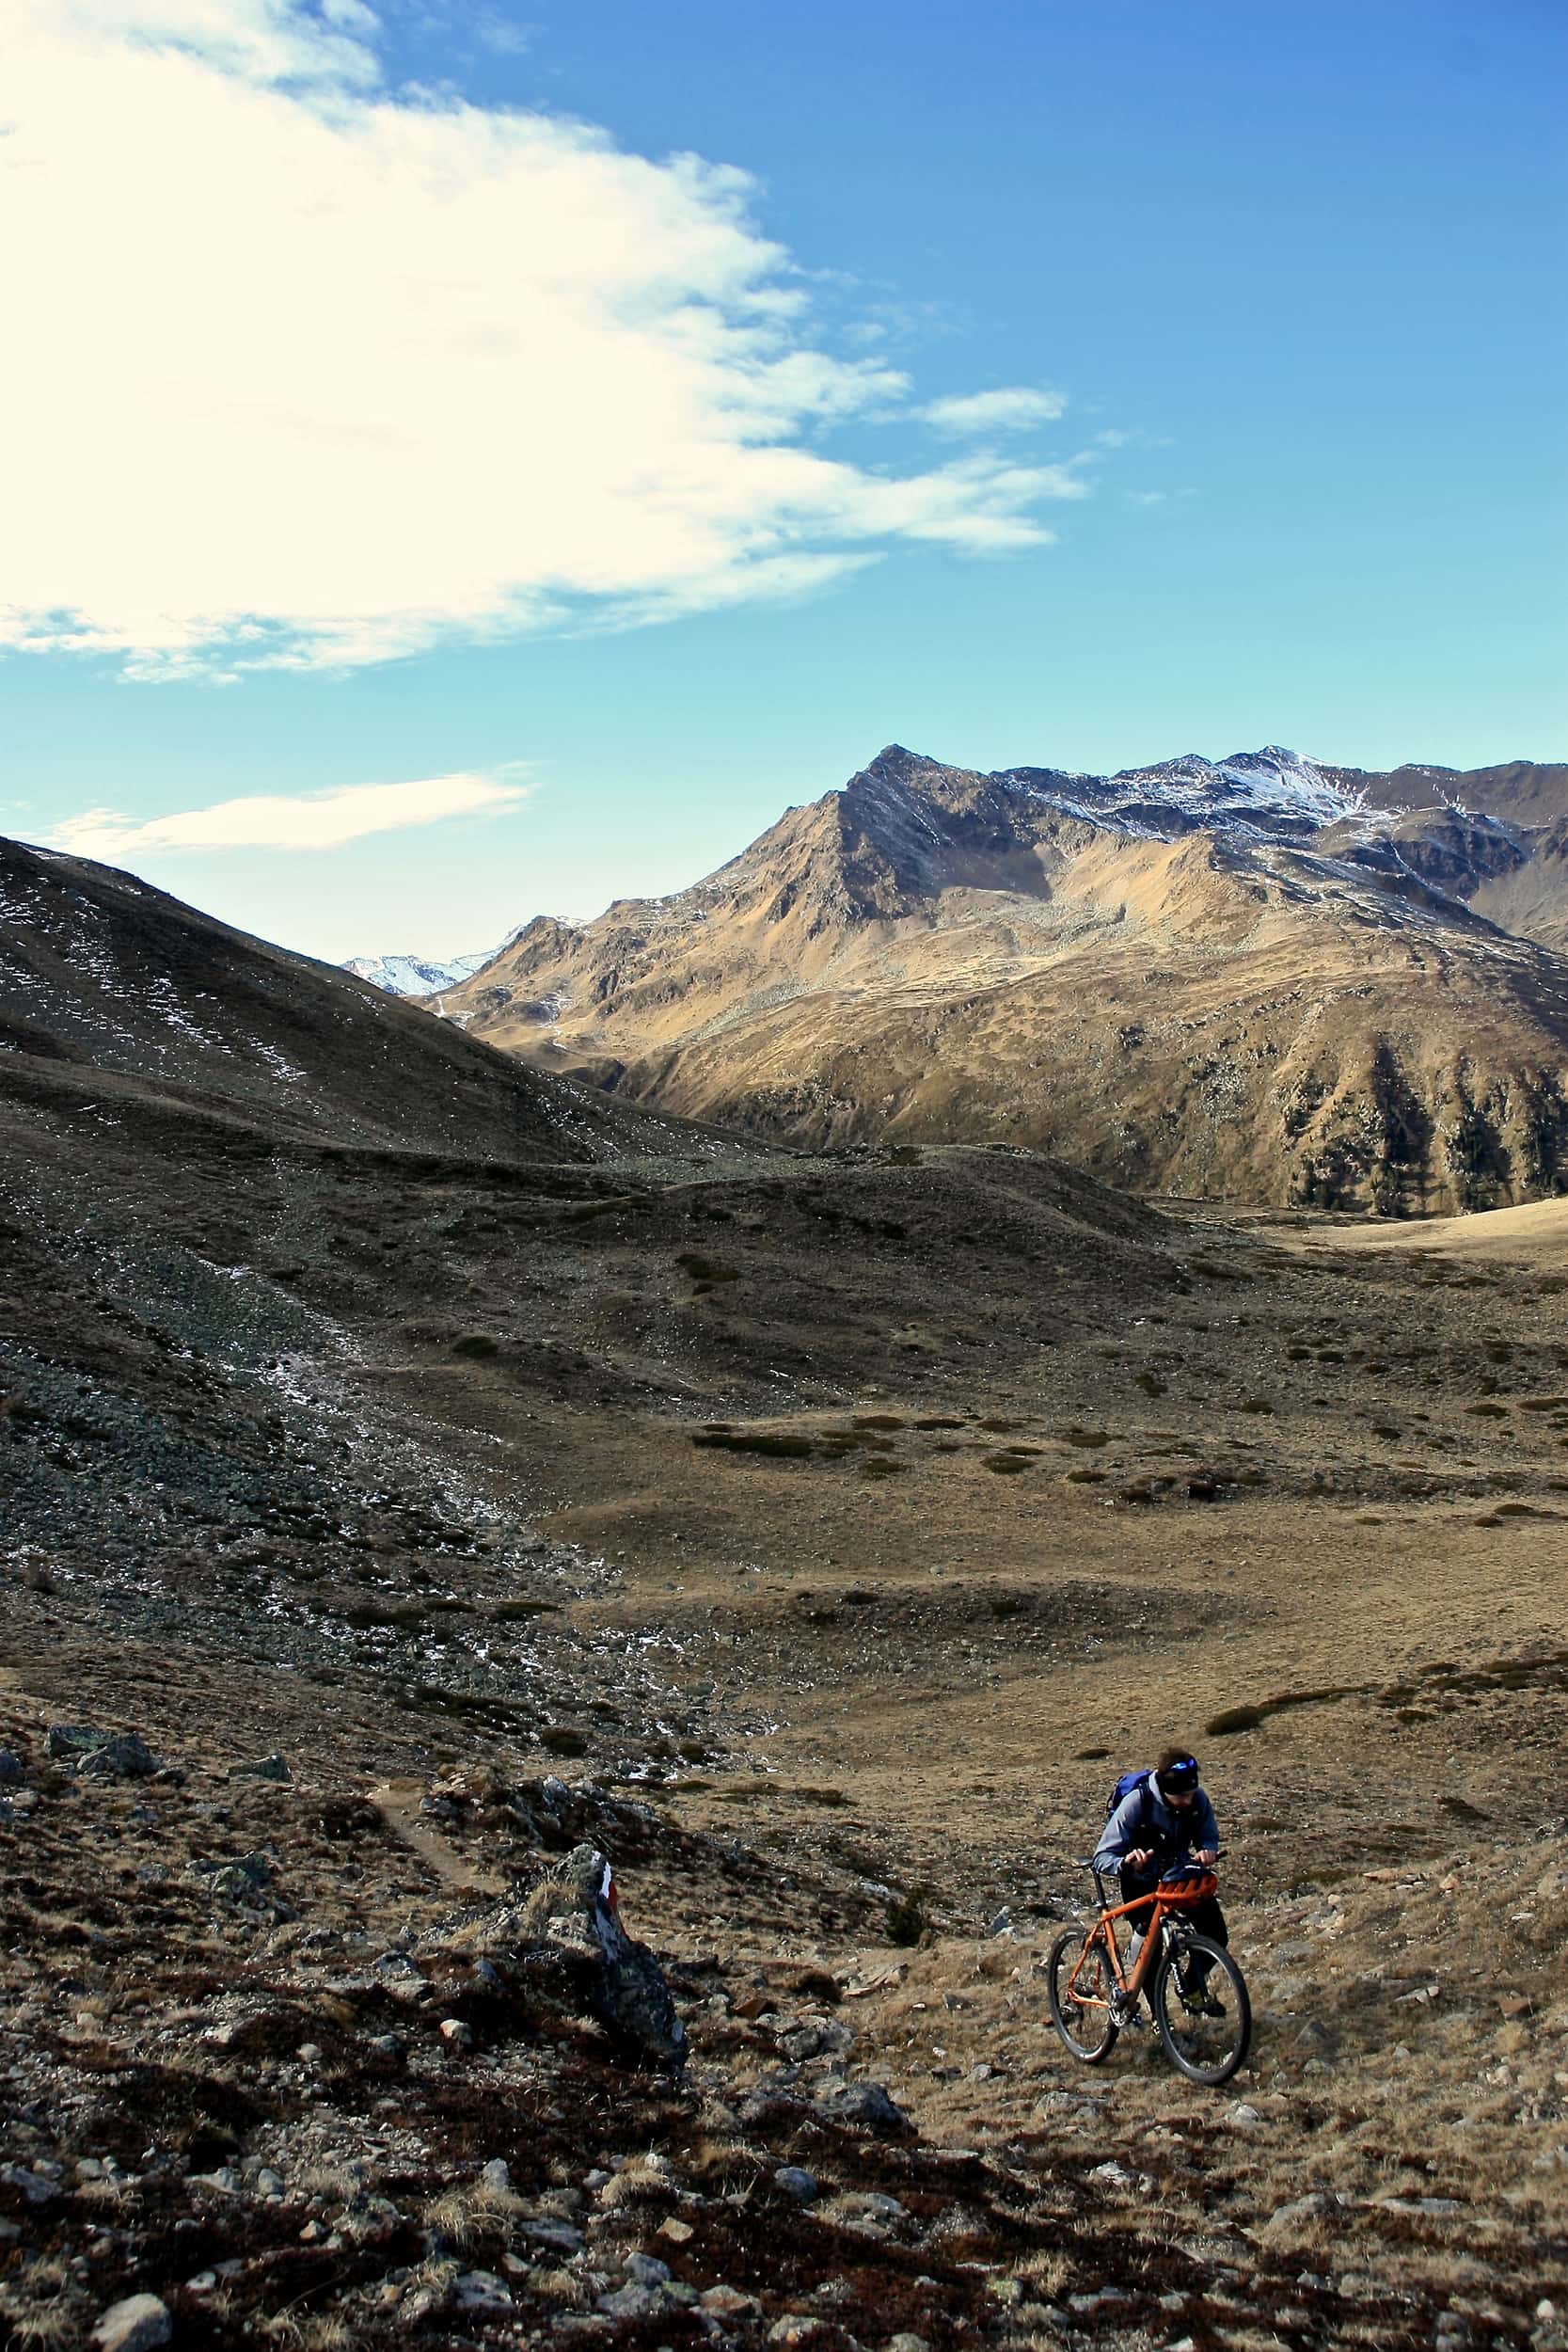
308	820
317	375
1017	409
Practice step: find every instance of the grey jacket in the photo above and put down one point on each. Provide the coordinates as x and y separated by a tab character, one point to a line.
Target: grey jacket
1135	1823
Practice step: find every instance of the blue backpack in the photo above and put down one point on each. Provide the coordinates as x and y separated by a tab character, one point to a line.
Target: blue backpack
1124	1787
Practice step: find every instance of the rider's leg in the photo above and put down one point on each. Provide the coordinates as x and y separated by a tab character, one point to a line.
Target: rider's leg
1205	1919
1132	1886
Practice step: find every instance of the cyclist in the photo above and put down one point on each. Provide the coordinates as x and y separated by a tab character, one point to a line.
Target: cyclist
1165	1820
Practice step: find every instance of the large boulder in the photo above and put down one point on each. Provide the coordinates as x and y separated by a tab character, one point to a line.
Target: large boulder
579	1904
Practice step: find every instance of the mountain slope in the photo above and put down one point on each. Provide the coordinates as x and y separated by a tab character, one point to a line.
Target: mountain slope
1238	977
162	1010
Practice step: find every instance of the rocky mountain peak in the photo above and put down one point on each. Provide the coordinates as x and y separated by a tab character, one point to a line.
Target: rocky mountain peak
1253	974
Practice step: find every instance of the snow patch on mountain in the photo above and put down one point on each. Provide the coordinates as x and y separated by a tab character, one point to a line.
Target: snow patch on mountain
415	975
1270	791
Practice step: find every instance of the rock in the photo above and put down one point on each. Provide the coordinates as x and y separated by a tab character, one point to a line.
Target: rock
11	1766
263	1768
797	2182
863	2103
679	2232
558	2235
1001	1924
496	2176
385	2044
119	1753
1242	2113
835	2292
907	2341
796	2327
431	2299
727	2302
630	1997
646	2270
366	2221
481	2291
1300	2209
35	2186
134	2326
237	1881
630	2302
457	2033
268	2182
873	2204
124	1757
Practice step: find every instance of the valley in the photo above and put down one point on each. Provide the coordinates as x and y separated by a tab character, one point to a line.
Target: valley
818	1531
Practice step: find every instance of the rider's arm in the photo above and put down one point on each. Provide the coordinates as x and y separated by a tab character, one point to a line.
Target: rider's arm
1119	1834
1205	1829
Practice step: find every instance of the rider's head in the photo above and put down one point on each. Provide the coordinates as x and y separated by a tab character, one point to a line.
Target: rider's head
1176	1774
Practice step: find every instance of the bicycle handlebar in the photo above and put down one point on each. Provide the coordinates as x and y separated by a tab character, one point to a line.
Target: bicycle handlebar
1183	1867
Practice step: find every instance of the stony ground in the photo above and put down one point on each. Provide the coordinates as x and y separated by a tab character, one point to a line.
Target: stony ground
255	2068
835	1529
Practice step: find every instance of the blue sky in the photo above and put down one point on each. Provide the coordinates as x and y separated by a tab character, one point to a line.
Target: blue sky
439	502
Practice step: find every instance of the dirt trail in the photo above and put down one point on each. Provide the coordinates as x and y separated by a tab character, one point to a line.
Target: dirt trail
397	1804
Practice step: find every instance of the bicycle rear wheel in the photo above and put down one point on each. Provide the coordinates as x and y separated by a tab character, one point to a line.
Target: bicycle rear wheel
1078	1986
1206	2049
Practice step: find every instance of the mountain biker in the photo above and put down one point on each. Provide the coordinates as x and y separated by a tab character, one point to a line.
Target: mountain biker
1165	1820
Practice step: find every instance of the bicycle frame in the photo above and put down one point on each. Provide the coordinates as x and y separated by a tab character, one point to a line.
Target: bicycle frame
1160	1902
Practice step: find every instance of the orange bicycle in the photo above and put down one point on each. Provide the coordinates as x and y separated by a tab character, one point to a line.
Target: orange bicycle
1196	1992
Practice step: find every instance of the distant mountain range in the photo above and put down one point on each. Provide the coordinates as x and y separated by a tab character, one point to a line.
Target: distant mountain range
1259	976
415	975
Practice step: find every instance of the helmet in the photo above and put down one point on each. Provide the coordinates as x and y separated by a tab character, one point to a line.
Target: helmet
1179	1777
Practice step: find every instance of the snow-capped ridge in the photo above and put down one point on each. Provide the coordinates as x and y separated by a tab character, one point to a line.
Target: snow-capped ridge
415	975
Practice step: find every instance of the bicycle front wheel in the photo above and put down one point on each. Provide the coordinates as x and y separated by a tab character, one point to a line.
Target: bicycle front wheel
1079	1985
1194	1979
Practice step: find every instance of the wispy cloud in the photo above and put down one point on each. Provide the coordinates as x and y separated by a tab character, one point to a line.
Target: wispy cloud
1017	409
307	820
343	370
